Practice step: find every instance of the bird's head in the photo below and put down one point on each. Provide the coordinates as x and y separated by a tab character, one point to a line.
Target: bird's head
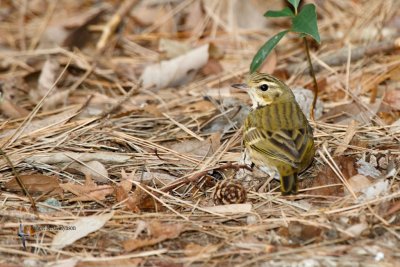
265	89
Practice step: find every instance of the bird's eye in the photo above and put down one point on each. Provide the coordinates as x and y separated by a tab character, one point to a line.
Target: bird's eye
264	87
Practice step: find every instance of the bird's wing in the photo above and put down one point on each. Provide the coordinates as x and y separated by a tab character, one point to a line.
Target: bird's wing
278	145
280	132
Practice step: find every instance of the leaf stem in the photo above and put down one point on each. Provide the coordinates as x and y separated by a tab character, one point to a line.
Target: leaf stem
312	74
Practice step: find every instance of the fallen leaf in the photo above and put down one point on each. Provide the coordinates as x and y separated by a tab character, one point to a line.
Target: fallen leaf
392	98
67	157
176	71
12	111
350	132
47	77
358	182
367	169
141	200
157	178
304	98
36	183
159	232
37	125
230	208
357	229
300	232
94	169
199	106
123	188
328	177
126	180
395	207
373	191
89	191
345	113
198	148
78	229
212	67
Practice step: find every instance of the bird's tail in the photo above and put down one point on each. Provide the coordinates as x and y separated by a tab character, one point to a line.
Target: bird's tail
289	184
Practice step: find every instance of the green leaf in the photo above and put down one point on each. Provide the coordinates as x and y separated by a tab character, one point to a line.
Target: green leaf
306	22
286	12
294	3
265	50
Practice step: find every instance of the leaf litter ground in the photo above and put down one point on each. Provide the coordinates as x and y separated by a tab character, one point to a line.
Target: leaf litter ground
123	173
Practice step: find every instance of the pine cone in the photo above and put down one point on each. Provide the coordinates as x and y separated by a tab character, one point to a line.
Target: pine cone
229	192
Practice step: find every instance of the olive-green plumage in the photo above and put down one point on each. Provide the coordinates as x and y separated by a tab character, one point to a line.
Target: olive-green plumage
276	132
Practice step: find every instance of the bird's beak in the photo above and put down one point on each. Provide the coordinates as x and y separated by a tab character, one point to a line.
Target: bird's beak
241	86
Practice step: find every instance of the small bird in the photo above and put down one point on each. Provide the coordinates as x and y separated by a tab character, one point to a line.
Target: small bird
276	131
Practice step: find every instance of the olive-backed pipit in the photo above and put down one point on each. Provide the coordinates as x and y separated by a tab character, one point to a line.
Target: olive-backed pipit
276	132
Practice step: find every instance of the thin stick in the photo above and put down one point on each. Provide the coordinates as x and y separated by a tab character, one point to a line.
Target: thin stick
113	23
312	74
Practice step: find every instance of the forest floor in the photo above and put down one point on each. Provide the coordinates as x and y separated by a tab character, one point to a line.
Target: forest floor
120	121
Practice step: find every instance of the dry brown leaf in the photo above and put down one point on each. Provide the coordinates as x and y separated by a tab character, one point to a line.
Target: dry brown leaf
36	183
327	176
299	232
36	125
392	98
212	67
230	208
120	193
153	110
154	178
197	147
67	157
94	169
199	106
350	132
126	179
141	200
358	182
123	188
89	191
345	113
159	232
57	98
47	77
10	110
176	71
